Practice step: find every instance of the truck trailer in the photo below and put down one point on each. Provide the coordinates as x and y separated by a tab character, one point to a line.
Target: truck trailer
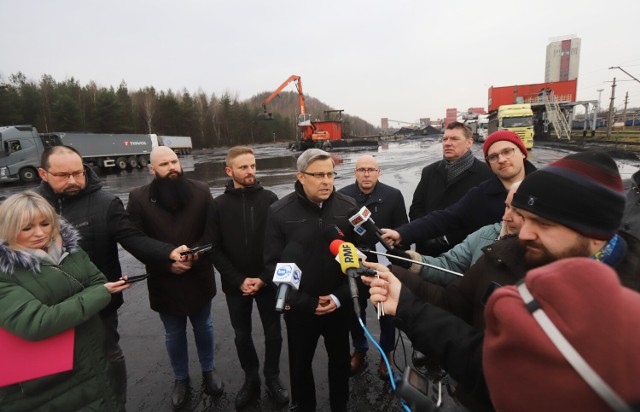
181	145
22	148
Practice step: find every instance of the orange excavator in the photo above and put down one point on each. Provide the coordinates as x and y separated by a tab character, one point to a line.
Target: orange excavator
318	133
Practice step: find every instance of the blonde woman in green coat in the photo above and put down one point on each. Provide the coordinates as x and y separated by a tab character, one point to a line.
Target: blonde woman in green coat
47	286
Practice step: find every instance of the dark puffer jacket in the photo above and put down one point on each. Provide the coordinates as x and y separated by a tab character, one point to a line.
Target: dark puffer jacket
37	301
102	222
238	225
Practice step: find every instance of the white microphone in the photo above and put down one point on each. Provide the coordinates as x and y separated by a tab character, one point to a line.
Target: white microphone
362	222
287	275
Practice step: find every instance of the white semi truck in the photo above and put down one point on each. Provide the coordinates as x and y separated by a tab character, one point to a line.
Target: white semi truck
21	148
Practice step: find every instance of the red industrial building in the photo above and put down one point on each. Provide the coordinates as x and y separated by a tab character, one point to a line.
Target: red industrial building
563	92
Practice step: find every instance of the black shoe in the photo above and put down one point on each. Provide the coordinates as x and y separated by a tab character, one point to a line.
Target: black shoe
212	383
277	392
180	393
250	390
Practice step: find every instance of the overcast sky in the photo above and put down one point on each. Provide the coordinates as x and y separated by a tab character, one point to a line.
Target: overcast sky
398	59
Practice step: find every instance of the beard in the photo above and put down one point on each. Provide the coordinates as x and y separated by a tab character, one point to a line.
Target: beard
536	254
171	192
72	190
244	182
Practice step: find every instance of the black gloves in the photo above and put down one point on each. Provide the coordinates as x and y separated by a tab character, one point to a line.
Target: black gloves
398	262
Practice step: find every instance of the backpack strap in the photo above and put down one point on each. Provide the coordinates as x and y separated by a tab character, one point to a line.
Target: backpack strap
568	351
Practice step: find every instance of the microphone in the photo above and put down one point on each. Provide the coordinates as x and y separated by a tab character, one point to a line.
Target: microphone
362	223
349	264
287	275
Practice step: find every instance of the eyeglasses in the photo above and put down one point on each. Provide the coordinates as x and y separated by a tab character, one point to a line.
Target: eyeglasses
76	175
321	175
506	153
369	170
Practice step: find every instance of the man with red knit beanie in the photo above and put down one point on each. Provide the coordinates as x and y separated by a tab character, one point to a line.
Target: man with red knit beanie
482	205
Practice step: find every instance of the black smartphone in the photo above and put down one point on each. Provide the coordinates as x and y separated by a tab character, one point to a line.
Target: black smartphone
133	279
197	249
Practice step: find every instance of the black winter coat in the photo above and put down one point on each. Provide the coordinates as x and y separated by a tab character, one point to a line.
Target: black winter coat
169	293
296	219
102	222
631	220
481	206
238	221
435	193
386	205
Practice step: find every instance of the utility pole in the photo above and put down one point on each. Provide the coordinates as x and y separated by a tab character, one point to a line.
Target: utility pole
624	112
595	110
610	121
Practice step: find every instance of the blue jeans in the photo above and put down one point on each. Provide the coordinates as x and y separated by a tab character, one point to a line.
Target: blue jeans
175	327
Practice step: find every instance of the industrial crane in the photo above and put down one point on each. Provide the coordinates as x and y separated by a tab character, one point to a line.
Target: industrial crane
318	133
298	83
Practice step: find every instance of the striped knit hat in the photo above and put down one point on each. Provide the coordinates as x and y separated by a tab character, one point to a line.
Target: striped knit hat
582	191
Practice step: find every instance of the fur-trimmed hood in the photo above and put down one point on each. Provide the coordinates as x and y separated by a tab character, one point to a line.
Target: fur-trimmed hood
12	260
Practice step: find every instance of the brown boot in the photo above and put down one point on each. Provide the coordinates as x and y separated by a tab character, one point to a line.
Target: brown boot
383	372
358	362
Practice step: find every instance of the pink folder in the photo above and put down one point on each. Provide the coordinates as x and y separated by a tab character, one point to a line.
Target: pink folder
22	360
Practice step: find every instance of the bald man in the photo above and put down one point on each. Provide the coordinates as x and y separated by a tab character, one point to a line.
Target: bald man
387	208
173	209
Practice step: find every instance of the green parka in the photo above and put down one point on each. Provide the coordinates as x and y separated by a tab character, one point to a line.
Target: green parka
39	300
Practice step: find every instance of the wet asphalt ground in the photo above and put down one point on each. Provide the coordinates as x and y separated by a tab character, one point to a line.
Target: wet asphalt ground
150	378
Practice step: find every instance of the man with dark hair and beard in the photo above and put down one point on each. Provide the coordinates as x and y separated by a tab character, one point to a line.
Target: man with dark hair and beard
173	209
76	194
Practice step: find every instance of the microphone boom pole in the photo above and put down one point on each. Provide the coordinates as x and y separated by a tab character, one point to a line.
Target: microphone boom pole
413	261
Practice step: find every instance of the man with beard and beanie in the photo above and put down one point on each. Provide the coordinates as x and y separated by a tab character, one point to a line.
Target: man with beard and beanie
574	207
444	182
482	205
76	194
174	209
386	205
322	304
238	222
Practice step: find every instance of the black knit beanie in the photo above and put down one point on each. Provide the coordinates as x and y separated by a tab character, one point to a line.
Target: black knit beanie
582	191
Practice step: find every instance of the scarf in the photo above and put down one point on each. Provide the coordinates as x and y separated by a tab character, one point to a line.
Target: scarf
456	168
54	253
611	251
